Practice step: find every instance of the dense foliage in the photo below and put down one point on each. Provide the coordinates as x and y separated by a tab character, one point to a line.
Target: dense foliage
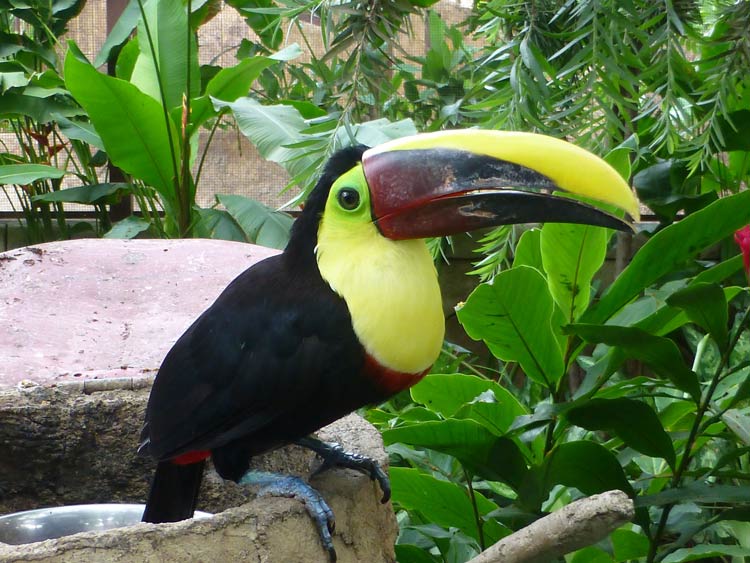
640	384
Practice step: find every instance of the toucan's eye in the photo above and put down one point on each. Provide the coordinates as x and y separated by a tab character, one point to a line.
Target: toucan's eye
348	199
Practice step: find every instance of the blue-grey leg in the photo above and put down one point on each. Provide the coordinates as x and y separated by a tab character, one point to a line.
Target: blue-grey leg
294	487
335	456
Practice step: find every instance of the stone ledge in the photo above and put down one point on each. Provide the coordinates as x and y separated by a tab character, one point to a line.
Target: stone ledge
99	308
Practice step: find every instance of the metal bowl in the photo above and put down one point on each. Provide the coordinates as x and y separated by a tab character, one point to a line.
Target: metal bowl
50	523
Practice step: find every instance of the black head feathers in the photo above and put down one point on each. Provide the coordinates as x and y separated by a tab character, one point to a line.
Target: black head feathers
305	228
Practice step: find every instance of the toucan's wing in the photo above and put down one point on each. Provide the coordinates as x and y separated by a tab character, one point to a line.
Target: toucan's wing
273	359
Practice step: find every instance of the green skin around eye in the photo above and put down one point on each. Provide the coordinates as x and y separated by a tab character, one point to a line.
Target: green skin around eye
353	180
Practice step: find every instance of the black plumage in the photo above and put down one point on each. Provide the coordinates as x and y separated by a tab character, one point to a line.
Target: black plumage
272	360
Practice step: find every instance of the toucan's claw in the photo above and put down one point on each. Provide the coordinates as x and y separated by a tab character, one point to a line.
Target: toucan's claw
294	487
335	456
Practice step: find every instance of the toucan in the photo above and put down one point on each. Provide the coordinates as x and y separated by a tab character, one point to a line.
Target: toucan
350	313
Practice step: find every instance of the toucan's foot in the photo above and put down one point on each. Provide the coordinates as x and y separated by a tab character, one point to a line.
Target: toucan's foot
294	487
335	456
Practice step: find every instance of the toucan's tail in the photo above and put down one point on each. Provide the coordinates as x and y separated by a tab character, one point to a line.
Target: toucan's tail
174	492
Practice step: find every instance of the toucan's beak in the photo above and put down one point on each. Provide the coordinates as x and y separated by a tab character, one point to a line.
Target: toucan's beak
449	182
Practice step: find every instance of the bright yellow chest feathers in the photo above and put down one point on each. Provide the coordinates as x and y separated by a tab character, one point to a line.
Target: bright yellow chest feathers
390	287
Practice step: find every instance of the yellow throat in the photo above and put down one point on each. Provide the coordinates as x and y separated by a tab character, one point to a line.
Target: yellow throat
390	287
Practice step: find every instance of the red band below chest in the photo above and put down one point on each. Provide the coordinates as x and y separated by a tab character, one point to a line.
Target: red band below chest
191	457
389	380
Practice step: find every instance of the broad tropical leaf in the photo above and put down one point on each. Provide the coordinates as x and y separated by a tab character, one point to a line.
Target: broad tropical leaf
130	123
512	315
22	174
166	54
571	255
443	503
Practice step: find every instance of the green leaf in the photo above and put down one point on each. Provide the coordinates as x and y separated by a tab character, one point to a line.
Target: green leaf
660	353
19	45
670	248
661	187
479	450
619	159
40	110
706	551
130	123
22	174
217	224
261	224
270	128
128	228
375	132
126	59
634	422
529	250
120	32
79	130
734	129
266	25
668	319
590	555
443	503
739	423
406	553
171	50
416	414
706	306
491	414
288	53
45	85
740	393
311	111
628	545
447	394
589	467
571	255
513	316
698	493
228	85
88	194
8	80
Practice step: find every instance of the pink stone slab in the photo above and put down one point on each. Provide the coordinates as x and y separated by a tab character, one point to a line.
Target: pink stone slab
98	308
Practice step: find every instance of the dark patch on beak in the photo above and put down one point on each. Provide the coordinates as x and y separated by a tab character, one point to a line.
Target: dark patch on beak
418	193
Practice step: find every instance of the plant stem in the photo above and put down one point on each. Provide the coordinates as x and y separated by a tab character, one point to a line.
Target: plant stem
557	397
699	350
475	508
464	363
165	109
184	184
692	437
208	144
